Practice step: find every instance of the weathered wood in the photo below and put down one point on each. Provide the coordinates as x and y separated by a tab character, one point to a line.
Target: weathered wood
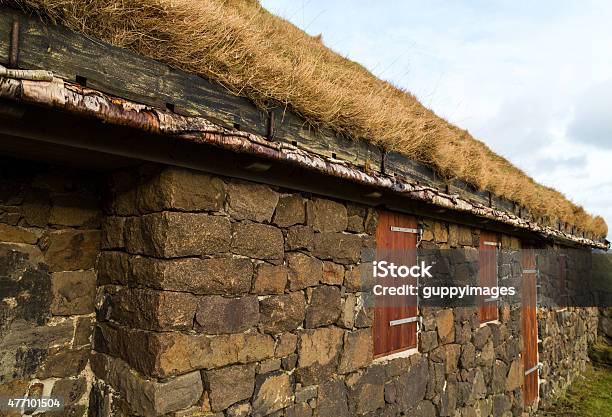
119	72
398	165
469	192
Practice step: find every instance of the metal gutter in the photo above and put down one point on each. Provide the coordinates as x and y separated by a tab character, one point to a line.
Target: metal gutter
91	103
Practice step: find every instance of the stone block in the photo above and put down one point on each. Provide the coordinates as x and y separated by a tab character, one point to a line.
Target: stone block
82	331
299	237
71	250
270	279
74	292
227	386
318	351
148	397
239	410
76	211
289	363
62	362
487	355
273	392
221	276
498	377
440	232
412	385
324	307
332	399
71	390
357	351
122	187
359	278
183	189
482	336
281	313
428	340
269	365
342	248
514	378
154	310
326	215
303	394
468	356
174	234
113	268
112	233
286	345
305	271
36	208
165	354
258	241
347	314
299	410
366	390
250	201
333	274
449	354
216	314
290	211
17	234
464	236
371	221
446	326
425	409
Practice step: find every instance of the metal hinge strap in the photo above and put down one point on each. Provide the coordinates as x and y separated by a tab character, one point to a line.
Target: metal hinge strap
404	321
405	229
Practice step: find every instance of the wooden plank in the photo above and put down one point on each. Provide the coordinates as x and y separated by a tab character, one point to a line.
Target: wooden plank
400	248
469	192
529	325
296	131
487	274
398	164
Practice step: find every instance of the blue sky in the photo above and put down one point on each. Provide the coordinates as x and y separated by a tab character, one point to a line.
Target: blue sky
533	80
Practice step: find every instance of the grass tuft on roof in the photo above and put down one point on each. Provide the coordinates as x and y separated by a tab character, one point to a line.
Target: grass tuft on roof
253	53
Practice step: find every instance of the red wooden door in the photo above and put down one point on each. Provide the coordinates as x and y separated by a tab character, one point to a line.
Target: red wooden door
395	242
529	326
487	273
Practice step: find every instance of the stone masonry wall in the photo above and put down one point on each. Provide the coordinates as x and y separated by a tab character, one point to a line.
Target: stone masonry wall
49	239
228	298
567	330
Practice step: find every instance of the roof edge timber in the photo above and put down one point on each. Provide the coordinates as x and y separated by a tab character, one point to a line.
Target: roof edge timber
86	102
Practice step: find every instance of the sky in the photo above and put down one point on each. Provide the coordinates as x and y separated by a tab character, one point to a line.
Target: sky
533	80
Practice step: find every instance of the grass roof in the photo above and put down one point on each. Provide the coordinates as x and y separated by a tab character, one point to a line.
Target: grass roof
253	53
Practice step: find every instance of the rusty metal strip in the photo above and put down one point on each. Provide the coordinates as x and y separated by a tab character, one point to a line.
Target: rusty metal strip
88	102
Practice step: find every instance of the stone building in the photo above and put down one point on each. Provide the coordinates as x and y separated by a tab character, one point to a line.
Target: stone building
156	262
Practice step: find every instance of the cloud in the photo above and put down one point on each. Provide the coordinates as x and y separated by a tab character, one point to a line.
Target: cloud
592	122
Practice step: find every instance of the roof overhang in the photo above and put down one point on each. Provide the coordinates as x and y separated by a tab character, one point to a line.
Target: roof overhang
143	132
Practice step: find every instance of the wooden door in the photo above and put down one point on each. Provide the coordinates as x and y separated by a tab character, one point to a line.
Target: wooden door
530	326
395	242
487	273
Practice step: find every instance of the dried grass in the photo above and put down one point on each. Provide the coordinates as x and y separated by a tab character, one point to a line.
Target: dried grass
258	55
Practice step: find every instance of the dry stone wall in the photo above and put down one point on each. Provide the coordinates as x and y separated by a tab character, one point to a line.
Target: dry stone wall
49	240
566	325
220	297
229	298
